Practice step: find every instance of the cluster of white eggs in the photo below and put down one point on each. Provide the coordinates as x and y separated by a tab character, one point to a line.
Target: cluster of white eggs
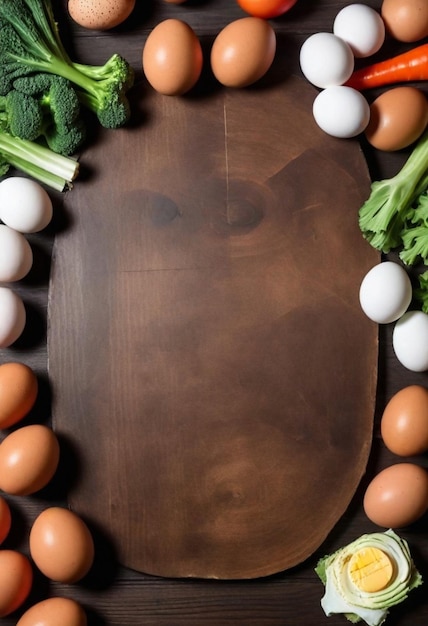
327	61
385	297
25	207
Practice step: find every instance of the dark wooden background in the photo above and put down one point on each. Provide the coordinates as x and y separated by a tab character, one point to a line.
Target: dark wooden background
114	596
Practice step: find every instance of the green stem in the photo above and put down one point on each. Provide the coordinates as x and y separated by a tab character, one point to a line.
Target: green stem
40	162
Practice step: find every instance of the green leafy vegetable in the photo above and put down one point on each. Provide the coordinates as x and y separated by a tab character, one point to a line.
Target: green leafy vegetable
30	44
344	596
385	215
421	293
415	234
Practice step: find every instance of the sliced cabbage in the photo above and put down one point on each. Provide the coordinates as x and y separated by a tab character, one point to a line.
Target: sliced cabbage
345	593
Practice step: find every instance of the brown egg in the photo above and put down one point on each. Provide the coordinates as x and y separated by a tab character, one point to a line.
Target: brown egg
54	612
397	496
16	580
243	52
29	458
61	545
172	58
398	117
404	423
406	20
100	14
18	392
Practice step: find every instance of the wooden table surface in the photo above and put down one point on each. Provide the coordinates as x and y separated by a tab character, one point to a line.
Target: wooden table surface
115	596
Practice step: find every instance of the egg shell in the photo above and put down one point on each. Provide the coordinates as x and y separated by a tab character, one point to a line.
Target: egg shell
326	60
404	422
12	317
361	27
29	458
16	580
341	111
385	292
407	20
61	545
54	612
172	58
25	205
16	256
398	117
410	340
397	496
18	392
5	519
100	14
243	52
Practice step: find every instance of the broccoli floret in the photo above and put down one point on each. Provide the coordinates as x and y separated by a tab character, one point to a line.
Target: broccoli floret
30	43
61	126
39	162
383	216
21	115
415	234
55	94
67	142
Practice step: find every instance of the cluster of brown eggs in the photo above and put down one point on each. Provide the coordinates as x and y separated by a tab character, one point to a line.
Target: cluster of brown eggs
398	495
60	543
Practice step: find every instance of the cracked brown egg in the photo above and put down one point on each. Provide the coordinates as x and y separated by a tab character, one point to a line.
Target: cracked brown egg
100	14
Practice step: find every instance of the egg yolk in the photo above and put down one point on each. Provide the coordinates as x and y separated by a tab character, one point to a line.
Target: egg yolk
370	569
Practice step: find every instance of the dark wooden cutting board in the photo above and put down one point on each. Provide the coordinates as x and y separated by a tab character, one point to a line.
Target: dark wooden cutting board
208	356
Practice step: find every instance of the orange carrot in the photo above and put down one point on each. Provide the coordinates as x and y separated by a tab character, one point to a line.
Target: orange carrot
407	67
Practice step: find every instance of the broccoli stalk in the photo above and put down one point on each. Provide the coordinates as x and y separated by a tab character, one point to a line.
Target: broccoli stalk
384	214
30	44
39	162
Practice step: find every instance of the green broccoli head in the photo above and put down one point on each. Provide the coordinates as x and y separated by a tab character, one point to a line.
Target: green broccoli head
12	53
68	141
21	115
56	95
61	125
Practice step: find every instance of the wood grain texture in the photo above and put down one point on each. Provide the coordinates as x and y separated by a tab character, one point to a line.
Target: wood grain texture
116	596
203	352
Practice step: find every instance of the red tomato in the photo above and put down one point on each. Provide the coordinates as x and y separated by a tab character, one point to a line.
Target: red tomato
266	8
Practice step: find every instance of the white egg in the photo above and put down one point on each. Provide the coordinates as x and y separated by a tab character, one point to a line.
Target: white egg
16	256
24	204
410	341
385	292
326	60
361	27
341	111
12	317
